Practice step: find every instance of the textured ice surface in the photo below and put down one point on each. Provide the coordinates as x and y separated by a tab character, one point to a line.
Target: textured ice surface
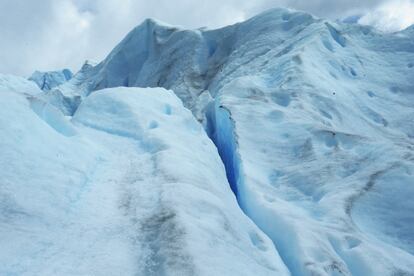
49	80
16	84
312	119
131	185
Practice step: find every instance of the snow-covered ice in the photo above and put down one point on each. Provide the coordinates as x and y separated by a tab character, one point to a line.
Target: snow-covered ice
48	80
313	121
130	185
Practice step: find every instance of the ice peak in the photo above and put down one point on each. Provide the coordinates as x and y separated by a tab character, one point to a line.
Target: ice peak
51	79
409	29
277	15
154	24
88	64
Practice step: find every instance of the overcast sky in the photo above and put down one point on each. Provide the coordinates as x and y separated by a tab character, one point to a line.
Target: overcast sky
53	34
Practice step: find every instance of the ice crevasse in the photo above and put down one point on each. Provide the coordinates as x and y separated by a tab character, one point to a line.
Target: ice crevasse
312	119
131	184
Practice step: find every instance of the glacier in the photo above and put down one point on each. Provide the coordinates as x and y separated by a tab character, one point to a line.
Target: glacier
130	184
282	145
49	80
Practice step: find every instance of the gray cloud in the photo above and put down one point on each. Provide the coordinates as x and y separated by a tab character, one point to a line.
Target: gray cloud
391	16
50	34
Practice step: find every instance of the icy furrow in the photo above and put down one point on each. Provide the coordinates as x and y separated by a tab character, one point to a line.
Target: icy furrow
136	188
221	129
315	134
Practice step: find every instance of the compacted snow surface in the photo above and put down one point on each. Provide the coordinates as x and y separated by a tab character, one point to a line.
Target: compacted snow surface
130	185
283	146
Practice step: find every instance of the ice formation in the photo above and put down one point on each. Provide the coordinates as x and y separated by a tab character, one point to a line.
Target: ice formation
313	121
49	80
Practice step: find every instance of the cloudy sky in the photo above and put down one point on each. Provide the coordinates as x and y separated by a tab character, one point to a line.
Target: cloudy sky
52	34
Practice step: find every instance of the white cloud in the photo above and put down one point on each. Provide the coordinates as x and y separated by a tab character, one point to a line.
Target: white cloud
41	35
391	16
50	34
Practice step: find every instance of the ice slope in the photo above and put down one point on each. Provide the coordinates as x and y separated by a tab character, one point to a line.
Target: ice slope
130	185
18	85
322	148
48	80
313	120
